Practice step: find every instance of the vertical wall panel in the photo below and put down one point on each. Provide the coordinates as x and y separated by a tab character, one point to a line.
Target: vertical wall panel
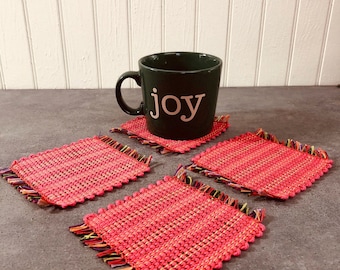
179	24
46	43
89	43
278	27
14	49
80	43
244	41
113	40
2	80
2	83
308	44
146	29
212	26
330	69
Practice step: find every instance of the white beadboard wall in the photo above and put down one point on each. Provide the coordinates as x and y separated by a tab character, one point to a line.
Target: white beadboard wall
68	44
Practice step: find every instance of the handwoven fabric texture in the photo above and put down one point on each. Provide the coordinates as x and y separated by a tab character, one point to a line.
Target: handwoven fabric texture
263	166
81	170
173	225
136	128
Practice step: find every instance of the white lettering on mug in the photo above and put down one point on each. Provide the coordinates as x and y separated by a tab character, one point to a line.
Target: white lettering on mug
191	108
187	99
155	114
178	104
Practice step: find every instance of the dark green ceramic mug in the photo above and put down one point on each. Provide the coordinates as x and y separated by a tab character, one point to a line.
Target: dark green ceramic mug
180	91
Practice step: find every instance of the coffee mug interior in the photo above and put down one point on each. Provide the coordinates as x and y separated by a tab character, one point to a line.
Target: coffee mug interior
180	61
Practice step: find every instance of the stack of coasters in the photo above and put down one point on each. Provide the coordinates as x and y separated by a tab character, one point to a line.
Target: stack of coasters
260	164
72	173
137	129
177	223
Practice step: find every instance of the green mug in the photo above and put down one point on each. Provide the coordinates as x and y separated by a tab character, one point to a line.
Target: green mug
180	91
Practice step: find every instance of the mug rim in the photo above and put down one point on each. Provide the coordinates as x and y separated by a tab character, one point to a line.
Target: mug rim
217	65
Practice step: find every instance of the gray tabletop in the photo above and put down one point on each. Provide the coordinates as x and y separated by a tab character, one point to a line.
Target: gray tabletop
301	233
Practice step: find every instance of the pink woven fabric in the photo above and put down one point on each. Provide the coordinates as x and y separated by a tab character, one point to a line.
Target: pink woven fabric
81	170
263	166
136	128
172	225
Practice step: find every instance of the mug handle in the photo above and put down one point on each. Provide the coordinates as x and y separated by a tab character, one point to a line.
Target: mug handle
126	108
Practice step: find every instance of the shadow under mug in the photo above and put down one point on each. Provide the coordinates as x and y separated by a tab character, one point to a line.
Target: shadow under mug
179	90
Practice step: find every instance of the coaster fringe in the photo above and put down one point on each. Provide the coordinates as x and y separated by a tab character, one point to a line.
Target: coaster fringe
222	118
158	148
221	179
290	143
20	185
181	174
90	239
126	149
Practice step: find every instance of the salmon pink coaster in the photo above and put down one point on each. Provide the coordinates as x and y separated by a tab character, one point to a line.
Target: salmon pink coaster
177	223
72	173
260	164
136	129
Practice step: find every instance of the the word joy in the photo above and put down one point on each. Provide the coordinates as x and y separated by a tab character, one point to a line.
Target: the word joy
187	101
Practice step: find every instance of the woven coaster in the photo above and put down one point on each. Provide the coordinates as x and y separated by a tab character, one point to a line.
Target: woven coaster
136	129
177	223
258	163
72	173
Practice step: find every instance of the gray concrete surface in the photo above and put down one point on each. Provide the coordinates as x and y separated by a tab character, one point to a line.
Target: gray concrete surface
302	232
